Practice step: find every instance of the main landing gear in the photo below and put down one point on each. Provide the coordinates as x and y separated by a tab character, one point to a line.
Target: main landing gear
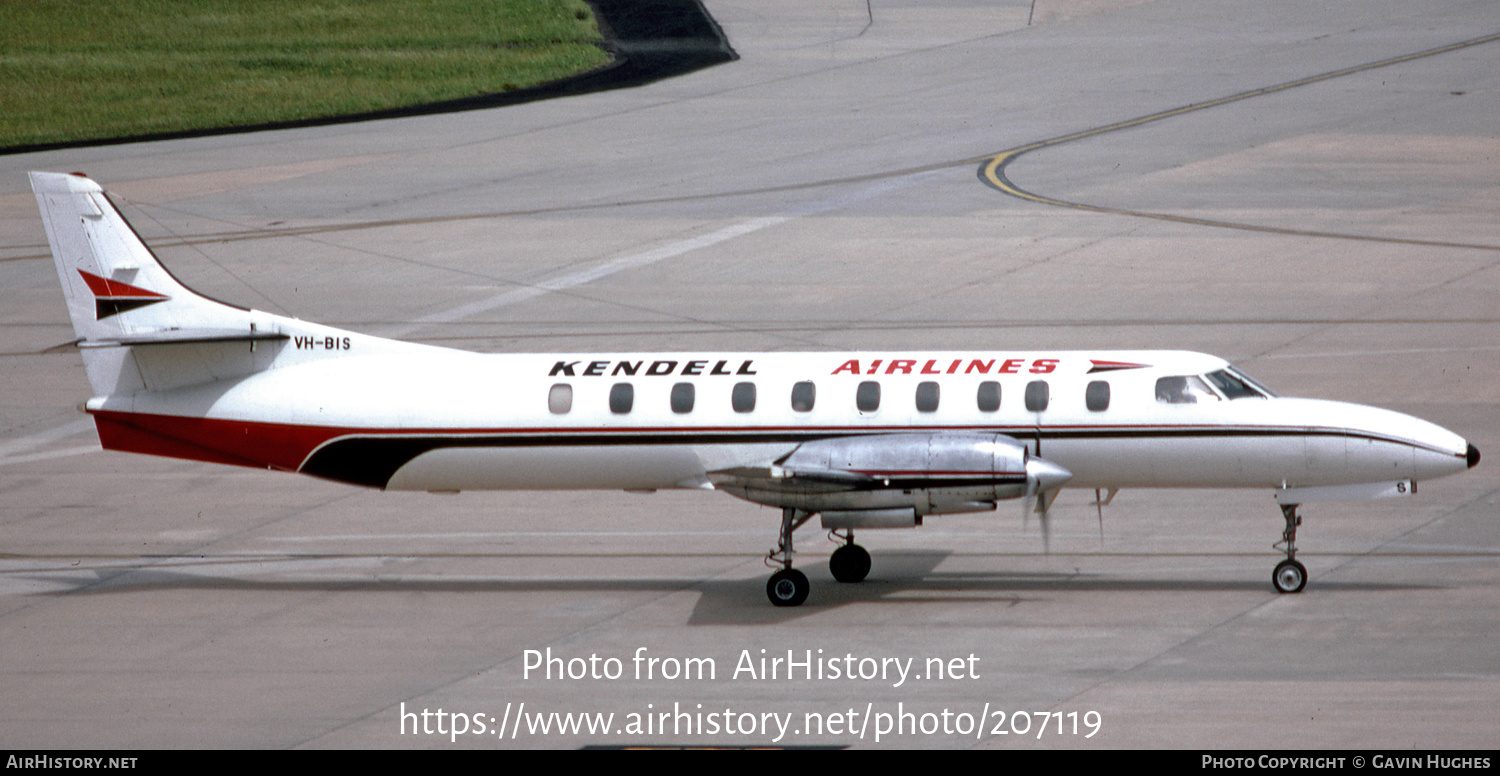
788	586
1289	576
850	562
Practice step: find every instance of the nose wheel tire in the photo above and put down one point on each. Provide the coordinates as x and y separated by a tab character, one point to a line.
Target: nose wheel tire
787	587
1289	577
849	563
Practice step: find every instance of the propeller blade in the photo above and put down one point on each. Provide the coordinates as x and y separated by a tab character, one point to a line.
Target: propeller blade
1044	503
1099	504
1043	479
1100	501
1046	532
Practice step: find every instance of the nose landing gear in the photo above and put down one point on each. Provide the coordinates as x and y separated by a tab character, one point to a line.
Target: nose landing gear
1289	576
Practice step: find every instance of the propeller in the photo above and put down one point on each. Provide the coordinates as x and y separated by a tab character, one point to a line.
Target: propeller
1043	480
1100	502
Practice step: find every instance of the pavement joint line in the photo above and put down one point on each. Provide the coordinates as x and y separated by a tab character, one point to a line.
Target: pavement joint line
992	172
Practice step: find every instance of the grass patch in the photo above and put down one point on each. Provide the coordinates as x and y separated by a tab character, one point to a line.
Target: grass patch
77	71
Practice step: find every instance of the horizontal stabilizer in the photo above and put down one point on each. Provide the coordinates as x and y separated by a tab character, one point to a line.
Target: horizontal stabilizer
184	337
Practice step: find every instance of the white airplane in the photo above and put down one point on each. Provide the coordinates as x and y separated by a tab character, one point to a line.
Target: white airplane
864	439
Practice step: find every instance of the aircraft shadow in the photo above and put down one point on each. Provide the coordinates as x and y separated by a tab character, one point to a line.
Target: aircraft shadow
897	578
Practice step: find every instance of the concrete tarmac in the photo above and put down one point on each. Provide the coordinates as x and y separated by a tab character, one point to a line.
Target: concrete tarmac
1336	238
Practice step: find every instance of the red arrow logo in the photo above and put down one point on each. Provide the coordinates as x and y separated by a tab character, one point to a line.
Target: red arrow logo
1113	366
111	297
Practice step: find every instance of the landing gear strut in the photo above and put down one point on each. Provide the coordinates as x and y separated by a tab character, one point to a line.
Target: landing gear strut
1289	576
787	587
850	562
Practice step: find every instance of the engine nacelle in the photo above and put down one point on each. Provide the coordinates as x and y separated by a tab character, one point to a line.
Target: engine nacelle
897	478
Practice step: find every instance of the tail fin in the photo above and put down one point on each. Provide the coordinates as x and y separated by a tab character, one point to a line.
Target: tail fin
123	301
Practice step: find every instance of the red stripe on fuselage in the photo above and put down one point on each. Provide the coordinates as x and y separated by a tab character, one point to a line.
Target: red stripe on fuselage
235	442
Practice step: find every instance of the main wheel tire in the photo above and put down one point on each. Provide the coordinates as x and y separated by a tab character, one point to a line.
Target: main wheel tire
849	563
788	587
1289	577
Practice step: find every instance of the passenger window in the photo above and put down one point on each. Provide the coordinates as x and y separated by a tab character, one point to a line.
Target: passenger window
867	397
1183	390
989	396
927	396
621	398
1096	396
560	399
803	394
742	398
682	398
1037	396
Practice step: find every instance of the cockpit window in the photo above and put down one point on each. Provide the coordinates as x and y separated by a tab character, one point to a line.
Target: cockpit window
1252	382
1233	386
1187	389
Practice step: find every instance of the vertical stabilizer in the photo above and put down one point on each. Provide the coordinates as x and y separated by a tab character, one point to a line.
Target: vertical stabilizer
118	294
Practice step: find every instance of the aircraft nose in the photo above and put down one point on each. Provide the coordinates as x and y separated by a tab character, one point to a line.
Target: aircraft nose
1472	456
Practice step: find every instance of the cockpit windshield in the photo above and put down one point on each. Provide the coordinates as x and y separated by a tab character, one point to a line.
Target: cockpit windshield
1228	384
1237	385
